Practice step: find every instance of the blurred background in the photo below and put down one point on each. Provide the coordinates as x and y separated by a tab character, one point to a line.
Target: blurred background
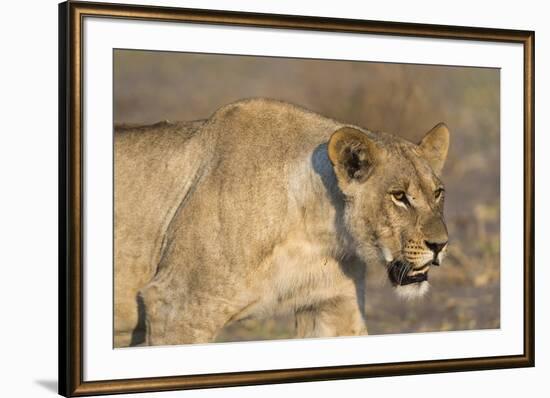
403	99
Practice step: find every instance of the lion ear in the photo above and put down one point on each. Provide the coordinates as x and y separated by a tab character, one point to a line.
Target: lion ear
353	155
434	147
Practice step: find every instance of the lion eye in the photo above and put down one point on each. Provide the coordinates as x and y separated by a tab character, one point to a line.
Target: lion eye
439	192
400	196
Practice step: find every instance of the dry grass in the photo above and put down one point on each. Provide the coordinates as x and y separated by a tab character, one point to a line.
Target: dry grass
402	99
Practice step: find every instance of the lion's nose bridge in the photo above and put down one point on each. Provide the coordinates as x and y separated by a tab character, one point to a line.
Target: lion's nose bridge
435	231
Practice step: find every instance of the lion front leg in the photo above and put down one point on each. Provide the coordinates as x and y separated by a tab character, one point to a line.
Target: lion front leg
171	317
335	317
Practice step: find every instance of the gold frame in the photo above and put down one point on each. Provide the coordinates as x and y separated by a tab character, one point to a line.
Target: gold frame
71	16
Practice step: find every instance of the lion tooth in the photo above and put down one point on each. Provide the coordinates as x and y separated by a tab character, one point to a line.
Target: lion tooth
419	271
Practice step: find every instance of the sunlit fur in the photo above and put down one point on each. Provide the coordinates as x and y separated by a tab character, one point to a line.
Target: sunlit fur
413	291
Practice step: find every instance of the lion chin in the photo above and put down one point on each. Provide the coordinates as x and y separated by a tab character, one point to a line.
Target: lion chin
412	291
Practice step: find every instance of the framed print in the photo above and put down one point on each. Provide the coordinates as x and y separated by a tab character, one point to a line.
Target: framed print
251	198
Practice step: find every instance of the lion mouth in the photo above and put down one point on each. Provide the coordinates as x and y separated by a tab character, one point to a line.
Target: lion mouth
402	273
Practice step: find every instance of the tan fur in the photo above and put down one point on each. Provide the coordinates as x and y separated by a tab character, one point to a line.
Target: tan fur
245	215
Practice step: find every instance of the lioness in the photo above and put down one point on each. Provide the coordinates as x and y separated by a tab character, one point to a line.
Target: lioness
268	208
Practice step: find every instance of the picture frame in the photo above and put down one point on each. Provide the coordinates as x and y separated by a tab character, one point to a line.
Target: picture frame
73	202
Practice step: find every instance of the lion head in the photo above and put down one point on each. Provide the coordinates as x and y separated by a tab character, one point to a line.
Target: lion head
394	200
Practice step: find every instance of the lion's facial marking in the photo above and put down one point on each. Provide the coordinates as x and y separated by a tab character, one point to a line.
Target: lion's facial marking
418	254
388	256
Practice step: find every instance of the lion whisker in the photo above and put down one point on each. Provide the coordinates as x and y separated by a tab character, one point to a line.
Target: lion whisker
404	271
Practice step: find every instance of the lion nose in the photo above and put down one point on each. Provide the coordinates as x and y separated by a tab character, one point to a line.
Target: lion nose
435	248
